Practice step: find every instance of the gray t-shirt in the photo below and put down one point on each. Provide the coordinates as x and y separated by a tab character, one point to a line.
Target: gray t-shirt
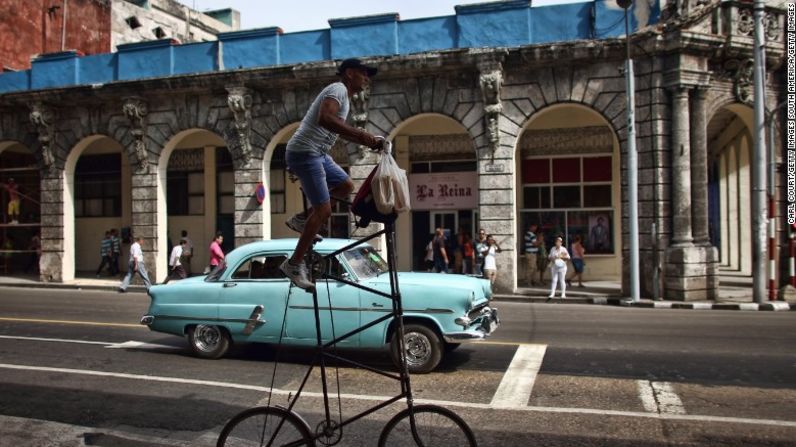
311	136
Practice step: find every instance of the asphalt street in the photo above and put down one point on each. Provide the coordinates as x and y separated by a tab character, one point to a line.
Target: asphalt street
76	368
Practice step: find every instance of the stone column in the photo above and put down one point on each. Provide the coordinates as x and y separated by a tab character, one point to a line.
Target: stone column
681	169
248	211
145	222
699	168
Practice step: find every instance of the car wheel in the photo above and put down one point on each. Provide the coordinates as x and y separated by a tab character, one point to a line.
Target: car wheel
423	348
208	341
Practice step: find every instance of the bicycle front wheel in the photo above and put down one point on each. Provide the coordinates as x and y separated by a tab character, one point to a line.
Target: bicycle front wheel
266	426
434	427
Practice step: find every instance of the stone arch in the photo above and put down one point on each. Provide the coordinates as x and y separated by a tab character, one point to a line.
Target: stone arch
68	268
414	138
277	138
161	211
559	186
730	151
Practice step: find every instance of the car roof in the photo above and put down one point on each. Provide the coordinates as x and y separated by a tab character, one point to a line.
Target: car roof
287	244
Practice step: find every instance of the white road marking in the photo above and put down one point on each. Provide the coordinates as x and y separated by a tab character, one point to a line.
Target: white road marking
58	340
594	411
126	345
515	388
142	345
659	397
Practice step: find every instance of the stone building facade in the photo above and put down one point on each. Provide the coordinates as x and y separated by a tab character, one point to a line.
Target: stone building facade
520	107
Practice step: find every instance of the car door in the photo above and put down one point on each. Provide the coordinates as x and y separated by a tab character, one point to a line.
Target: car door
339	318
253	297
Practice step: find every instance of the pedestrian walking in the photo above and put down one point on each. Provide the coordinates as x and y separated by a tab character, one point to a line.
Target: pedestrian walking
307	157
135	265
187	252
175	264
531	250
106	252
558	268
490	263
440	253
216	253
541	254
578	251
116	251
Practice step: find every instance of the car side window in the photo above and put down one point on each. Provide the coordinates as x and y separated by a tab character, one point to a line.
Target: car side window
260	267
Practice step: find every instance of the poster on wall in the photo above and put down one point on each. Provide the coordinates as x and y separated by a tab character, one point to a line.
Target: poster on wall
599	240
444	191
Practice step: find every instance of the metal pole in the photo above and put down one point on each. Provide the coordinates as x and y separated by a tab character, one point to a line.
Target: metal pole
632	163
63	28
759	205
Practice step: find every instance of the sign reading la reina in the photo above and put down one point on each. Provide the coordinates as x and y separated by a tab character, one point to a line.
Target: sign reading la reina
444	191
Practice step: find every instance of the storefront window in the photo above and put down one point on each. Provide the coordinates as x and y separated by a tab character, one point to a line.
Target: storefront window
570	196
98	188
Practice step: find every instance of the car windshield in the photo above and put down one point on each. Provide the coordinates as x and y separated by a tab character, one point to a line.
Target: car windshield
217	271
365	262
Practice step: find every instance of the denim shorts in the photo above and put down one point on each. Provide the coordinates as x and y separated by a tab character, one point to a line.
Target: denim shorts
578	264
318	174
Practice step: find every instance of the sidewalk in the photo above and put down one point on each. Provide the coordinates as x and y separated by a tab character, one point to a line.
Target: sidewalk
735	293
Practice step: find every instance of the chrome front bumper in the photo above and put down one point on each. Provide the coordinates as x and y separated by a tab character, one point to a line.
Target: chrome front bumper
478	328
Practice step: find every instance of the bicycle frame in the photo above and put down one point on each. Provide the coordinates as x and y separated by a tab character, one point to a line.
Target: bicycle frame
321	348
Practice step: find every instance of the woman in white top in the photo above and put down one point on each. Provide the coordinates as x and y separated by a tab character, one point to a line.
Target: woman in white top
558	268
490	265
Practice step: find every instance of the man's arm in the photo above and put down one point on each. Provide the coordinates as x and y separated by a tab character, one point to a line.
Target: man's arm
327	117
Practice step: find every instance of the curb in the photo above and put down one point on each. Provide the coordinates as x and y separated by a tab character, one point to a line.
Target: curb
774	306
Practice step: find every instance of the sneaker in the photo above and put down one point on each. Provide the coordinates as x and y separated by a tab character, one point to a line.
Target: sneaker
297	274
297	223
563	296
551	295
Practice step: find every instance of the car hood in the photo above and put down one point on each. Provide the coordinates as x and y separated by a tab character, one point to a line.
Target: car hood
480	286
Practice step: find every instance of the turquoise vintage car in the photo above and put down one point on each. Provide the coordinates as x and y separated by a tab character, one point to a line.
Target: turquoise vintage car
245	300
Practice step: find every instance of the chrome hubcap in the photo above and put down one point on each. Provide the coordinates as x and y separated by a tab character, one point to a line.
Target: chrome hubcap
418	348
206	338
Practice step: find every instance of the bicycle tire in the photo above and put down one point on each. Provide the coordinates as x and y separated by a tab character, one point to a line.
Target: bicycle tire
436	427
266	426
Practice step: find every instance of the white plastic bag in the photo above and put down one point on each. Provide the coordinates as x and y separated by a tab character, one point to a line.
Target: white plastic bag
390	185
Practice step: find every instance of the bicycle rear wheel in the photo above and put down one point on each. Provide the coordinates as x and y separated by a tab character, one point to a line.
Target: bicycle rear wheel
435	427
266	426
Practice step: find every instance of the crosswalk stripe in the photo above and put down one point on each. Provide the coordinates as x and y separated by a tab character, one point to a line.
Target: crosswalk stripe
659	397
517	384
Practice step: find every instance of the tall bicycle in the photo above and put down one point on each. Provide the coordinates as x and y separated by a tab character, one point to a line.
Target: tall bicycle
420	425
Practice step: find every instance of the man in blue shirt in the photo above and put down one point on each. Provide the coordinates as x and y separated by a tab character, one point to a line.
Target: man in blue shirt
307	157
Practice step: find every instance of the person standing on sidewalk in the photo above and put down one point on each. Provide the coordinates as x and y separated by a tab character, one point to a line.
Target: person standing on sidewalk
558	268
490	263
106	252
541	254
480	243
216	253
440	253
531	250
307	157
135	265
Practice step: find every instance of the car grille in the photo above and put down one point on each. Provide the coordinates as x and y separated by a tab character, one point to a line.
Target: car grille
476	312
